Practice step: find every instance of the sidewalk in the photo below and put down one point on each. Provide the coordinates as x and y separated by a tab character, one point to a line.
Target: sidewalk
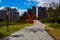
34	32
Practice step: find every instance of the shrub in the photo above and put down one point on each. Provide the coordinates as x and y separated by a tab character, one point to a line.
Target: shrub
47	20
51	20
1	20
1	35
58	20
54	25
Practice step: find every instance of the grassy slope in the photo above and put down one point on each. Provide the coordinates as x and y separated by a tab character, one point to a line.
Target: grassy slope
55	32
12	29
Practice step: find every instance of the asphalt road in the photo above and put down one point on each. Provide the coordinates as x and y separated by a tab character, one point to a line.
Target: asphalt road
35	32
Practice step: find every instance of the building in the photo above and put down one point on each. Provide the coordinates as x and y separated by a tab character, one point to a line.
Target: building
42	12
30	11
13	14
34	12
25	15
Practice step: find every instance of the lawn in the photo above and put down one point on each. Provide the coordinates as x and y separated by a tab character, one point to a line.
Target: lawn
54	30
12	28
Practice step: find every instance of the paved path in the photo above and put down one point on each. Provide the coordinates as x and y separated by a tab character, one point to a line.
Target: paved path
34	32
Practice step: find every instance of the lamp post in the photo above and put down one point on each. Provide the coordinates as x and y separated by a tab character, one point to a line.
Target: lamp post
7	20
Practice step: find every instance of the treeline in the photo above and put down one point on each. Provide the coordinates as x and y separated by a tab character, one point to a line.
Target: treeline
54	10
53	13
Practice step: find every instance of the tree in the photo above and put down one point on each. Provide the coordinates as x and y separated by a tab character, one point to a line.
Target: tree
50	12
57	10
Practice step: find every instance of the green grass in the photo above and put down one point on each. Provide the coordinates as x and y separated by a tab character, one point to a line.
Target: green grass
54	30
12	29
54	25
10	23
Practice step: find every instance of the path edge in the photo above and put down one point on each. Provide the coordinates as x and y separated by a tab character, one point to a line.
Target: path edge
49	34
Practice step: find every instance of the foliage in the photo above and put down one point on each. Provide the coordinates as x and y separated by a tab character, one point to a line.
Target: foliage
1	35
1	20
26	18
21	17
50	12
51	20
57	10
54	10
47	20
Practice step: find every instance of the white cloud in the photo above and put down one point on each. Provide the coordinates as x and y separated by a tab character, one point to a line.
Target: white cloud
14	7
45	2
1	8
27	3
21	11
0	1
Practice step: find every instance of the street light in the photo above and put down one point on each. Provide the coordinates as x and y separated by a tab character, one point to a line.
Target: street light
6	18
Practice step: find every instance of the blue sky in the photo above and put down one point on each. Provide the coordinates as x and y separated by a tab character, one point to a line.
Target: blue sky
23	5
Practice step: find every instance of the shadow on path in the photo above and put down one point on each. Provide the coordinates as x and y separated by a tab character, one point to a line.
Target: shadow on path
33	30
15	36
